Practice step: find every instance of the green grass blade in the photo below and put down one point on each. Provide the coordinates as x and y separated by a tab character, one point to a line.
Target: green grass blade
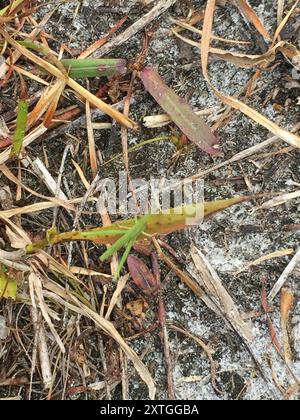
79	69
132	234
17	141
123	259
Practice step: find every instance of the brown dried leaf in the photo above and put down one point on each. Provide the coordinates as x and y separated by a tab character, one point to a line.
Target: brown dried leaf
142	276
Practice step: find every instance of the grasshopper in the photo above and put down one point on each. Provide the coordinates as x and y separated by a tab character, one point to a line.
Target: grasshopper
126	233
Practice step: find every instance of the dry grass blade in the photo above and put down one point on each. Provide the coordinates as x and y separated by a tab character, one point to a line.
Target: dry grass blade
41	340
247	60
191	28
42	172
206	37
230	313
273	255
37	296
30	138
250	14
57	201
63	297
284	21
278	201
50	68
38	207
285	275
15	228
91	140
280	9
41	107
30	75
220	296
285	135
117	293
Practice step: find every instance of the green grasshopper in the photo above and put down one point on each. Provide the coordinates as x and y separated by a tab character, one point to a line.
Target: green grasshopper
126	233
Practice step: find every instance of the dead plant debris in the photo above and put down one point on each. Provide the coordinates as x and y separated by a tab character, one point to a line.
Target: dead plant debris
94	305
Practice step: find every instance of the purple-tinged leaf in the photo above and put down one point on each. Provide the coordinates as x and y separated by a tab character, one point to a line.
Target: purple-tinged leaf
142	276
180	112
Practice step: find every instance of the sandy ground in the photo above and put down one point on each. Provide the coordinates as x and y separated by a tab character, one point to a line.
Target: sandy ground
229	240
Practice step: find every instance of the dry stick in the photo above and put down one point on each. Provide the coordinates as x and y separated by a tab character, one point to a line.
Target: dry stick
285	275
286	304
78	122
124	134
124	375
136	27
124	131
36	325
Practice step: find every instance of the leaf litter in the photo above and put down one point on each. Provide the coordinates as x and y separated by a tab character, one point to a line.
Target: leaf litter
234	240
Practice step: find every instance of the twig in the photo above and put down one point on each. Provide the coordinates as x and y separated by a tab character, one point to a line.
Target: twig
136	27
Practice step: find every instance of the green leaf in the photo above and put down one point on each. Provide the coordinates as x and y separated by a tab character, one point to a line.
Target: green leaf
79	69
